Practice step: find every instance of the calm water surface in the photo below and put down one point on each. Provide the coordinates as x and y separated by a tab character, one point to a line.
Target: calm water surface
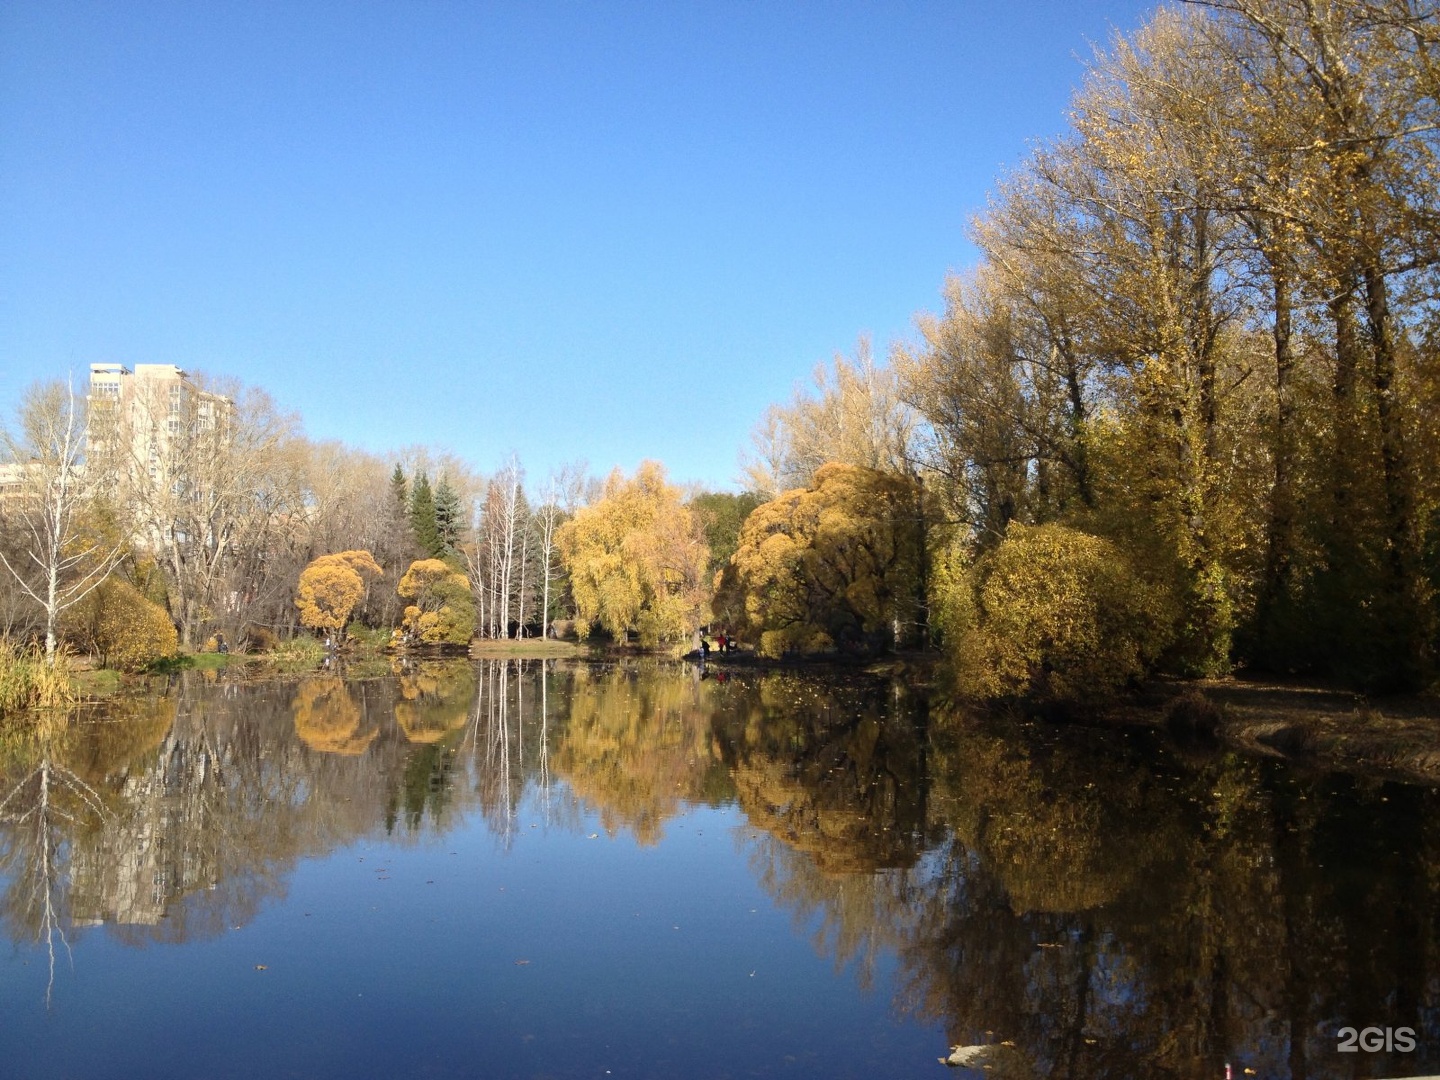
527	870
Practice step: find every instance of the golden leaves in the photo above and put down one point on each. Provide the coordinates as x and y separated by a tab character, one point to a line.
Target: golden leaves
331	586
443	611
637	560
832	564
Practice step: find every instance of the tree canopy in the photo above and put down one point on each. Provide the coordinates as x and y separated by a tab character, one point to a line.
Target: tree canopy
331	586
838	564
441	610
637	559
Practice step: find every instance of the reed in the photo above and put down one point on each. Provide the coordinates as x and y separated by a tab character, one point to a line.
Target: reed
28	681
300	653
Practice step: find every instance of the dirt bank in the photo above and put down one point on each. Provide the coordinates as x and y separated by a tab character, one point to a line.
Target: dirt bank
1396	737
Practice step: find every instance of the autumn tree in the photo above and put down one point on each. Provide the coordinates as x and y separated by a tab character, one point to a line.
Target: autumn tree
331	586
548	517
1006	408
637	560
441	610
1052	613
1338	113
211	475
835	565
853	413
1197	332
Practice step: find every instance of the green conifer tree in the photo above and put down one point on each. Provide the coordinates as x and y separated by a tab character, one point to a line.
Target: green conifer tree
422	518
447	516
400	489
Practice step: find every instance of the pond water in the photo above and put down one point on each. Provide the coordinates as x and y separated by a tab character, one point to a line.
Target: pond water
524	869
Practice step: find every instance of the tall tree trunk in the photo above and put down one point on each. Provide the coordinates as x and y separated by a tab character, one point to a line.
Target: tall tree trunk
1275	584
1402	580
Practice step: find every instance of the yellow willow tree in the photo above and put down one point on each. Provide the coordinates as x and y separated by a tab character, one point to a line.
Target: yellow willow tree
838	564
637	560
331	586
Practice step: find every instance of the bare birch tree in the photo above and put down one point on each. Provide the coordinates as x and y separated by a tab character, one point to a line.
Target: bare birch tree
547	518
64	556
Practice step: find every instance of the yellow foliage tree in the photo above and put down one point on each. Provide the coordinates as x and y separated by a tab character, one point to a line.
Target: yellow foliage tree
331	586
834	565
1053	613
637	560
126	630
441	609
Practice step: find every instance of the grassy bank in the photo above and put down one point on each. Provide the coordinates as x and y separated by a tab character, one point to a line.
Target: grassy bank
525	649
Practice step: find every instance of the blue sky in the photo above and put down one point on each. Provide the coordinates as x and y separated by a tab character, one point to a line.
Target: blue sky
568	230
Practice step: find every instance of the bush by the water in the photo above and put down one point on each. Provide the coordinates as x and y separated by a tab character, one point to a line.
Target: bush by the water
1052	613
122	627
300	653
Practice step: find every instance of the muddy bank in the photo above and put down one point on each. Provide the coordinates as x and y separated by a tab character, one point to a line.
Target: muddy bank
1394	737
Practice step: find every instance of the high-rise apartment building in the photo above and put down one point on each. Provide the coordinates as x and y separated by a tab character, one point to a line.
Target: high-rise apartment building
142	420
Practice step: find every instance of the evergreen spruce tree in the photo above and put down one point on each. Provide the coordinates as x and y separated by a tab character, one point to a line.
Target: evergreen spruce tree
400	490
447	516
422	518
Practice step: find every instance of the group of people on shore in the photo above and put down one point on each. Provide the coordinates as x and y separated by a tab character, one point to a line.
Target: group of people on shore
723	644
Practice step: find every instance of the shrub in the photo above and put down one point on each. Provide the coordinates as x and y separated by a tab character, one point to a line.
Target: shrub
258	639
300	653
123	628
1055	614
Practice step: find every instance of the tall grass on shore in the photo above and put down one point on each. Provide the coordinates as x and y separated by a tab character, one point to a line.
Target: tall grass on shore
300	653
27	681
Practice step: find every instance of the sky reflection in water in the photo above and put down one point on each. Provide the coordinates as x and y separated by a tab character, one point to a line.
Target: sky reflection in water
477	870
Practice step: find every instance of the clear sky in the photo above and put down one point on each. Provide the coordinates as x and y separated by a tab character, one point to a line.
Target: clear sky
607	231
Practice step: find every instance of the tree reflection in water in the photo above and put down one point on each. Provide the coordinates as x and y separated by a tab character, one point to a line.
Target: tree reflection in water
1112	905
44	802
